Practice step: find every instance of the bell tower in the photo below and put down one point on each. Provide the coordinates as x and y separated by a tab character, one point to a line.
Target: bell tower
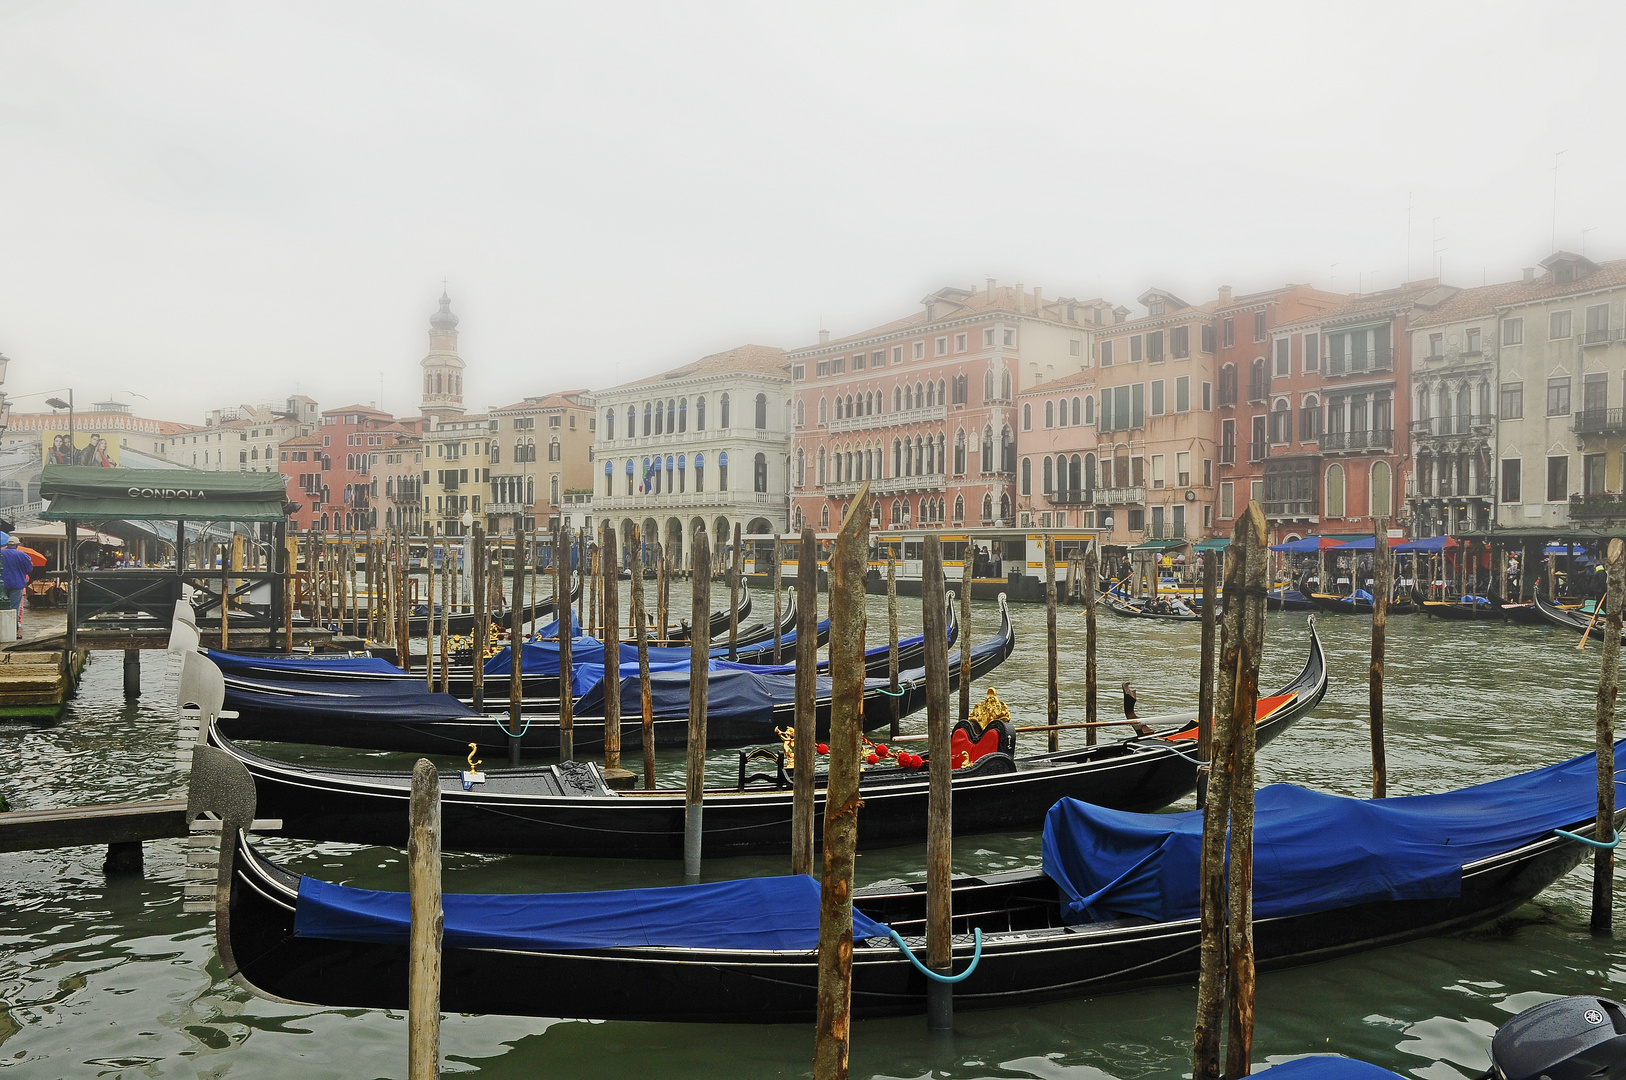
442	368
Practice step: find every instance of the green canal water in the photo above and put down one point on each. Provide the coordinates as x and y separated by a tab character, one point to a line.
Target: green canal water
106	977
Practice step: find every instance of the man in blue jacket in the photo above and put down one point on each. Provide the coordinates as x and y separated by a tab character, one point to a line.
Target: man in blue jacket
15	566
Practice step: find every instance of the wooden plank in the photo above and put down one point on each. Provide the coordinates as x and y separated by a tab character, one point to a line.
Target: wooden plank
78	826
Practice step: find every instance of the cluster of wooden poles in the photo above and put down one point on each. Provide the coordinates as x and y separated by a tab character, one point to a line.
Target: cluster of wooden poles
1230	656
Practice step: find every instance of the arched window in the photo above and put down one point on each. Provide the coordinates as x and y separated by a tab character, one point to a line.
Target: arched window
1485	412
824	518
1281	422
1087	480
942	461
1046	477
897	458
649	418
801	412
760	468
1050	414
1007	450
962	394
920	396
553	450
941	385
683	414
931	393
660	417
1027	415
1335	491
897	398
959	455
796	520
1004	506
801	468
897	511
1078	417
821	466
1089	409
908	396
553	490
1422	403
988	395
1005	391
988	500
1382	500
959	508
700	413
609	424
722	412
988	447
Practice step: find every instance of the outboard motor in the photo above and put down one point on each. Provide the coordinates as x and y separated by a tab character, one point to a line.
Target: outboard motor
1573	1038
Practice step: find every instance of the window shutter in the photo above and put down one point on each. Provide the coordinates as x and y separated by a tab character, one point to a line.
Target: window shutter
1137	406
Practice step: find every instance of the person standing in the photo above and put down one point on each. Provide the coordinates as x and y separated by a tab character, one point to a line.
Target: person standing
15	566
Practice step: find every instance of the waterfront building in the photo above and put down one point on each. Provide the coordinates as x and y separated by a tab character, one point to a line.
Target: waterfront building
396	487
1561	379
924	407
456	471
1056	444
1155	425
1337	432
702	446
332	468
542	451
247	438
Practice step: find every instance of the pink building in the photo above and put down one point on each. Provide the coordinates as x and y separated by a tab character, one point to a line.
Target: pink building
1055	479
925	407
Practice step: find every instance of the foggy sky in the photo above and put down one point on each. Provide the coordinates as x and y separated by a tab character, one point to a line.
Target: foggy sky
211	204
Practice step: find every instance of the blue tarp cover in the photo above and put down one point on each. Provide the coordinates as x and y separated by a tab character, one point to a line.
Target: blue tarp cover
1432	543
1312	852
1306	545
382	701
542	657
1327	1067
771	913
313	664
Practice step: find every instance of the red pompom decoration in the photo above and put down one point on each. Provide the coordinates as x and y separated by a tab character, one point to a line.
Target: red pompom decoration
870	759
880	748
824	748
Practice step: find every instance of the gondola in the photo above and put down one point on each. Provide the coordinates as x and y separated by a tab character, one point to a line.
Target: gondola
1113	910
1524	612
1360	603
719	621
1469	608
745	705
1141	609
1576	619
462	622
568	810
1287	598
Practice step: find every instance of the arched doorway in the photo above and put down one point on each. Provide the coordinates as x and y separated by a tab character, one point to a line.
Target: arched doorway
722	535
675	545
696	525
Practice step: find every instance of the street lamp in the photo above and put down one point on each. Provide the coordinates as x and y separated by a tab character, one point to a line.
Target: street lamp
58	403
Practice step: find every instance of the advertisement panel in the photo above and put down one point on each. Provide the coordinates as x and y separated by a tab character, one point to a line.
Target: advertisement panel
86	448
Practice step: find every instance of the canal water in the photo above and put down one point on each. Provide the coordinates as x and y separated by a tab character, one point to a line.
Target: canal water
106	977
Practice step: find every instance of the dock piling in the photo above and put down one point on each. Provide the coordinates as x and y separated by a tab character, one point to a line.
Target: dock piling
733	599
610	626
939	805
699	656
806	715
516	644
1603	859
132	674
482	614
892	640
1205	672
1090	579
1382	583
641	636
778	599
567	719
426	927
965	634
1054	693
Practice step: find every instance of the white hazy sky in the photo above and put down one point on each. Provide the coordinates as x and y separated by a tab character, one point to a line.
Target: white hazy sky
214	203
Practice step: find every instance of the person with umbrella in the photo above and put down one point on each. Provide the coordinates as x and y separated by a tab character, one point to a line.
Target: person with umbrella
15	566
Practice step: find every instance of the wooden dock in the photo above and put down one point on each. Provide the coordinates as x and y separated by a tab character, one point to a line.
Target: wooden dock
121	826
36	684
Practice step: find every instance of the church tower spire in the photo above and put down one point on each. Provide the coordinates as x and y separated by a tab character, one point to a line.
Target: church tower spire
442	368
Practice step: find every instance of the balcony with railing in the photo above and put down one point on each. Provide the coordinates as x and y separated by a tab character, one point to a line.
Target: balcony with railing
1161	530
1597	507
1600	421
1121	496
1291	509
920	414
1335	441
1258	390
1381	360
1071	498
1227	395
1479	487
406	493
1599	337
1453	425
1227	454
1256	450
891	485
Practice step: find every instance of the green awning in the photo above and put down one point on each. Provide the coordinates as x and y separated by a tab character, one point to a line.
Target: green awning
86	492
1214	543
1159	545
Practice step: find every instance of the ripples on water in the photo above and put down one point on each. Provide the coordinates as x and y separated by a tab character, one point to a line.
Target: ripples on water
105	977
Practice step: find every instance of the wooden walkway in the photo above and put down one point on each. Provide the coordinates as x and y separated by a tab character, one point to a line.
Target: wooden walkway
36	685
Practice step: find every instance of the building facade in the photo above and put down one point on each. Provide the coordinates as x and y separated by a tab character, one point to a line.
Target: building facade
442	367
542	451
1056	470
456	473
332	468
396	486
702	446
247	438
924	407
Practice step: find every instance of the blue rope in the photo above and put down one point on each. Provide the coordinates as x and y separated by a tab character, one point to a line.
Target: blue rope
504	729
976	955
1588	841
889	693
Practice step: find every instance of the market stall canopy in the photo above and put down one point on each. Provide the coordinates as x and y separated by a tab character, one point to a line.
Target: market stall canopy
1432	543
1159	545
56	532
1214	543
1308	544
80	492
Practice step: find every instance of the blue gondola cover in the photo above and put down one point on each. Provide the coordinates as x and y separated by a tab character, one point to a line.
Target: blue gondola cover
1312	851
770	913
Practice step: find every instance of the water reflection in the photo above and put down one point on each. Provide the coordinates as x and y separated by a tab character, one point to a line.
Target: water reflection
106	977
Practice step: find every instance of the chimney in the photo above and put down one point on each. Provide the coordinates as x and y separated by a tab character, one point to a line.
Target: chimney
1224	295
824	337
1038	300
1529	275
991	284
1020	296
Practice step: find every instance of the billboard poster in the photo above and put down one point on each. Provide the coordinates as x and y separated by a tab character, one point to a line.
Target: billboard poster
86	448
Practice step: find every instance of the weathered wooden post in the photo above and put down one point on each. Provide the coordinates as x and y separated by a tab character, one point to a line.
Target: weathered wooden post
892	639
225	597
1229	810
567	719
699	655
516	646
1091	579
426	926
1050	631
939	807
445	612
610	624
641	636
806	715
734	584
965	634
482	615
1205	672
581	575
778	598
593	598
1603	859
849	563
1382	575
663	595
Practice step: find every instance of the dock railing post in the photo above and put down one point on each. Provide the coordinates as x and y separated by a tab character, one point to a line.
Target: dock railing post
427	925
849	564
1603	859
806	719
699	655
939	809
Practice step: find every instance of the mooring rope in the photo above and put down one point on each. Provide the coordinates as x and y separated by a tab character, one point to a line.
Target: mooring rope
976	955
1588	841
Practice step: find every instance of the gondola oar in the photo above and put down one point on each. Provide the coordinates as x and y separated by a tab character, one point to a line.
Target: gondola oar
1596	611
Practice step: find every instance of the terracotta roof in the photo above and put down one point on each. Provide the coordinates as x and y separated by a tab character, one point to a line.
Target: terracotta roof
1468	303
170	427
1608	275
962	303
743	360
368	409
302	440
564	399
1152	321
1082	378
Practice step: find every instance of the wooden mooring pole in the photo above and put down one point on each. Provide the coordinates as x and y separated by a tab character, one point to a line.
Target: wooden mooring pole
426	927
734	586
892	640
694	798
1226	952
445	612
965	633
806	716
482	614
849	564
641	636
1603	859
610	624
1205	672
939	807
567	719
1091	576
516	646
778	598
663	595
1054	693
1382	584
